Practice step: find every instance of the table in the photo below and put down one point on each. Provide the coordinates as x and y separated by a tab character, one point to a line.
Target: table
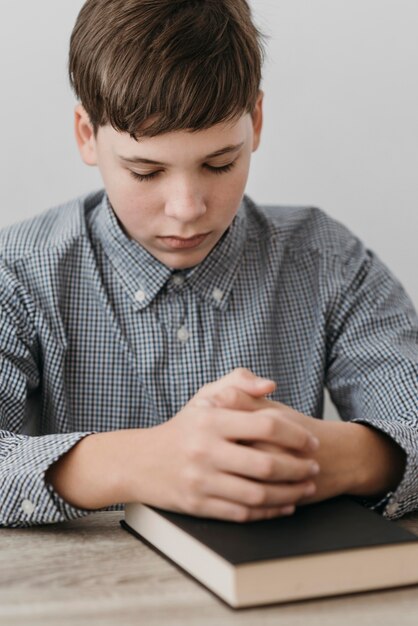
91	571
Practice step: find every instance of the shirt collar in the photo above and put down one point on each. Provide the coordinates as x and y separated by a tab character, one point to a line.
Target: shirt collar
143	276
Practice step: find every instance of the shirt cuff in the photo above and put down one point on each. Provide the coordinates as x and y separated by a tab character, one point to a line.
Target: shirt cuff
27	499
404	498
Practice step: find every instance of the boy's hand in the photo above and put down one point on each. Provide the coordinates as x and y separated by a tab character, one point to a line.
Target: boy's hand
197	464
339	456
354	458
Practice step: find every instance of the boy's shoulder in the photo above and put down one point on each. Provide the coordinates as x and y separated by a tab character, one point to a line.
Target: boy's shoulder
53	229
299	228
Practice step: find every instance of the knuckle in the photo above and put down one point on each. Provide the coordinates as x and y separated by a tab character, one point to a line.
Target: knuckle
303	439
215	398
304	487
280	413
188	477
266	468
307	440
193	481
197	452
242	371
193	503
301	471
242	514
231	395
258	497
202	420
267	425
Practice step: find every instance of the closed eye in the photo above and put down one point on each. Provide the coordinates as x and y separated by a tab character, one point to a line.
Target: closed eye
222	169
214	170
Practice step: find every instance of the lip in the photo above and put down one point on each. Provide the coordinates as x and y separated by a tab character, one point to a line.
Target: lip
186	243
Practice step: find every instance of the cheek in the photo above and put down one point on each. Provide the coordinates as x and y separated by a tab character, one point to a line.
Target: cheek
233	187
126	193
241	173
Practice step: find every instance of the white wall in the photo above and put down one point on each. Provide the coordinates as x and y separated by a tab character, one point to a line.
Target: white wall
341	116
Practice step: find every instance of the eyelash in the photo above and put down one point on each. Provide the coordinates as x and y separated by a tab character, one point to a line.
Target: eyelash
215	170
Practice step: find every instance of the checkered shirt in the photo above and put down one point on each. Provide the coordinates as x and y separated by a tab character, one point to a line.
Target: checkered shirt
98	335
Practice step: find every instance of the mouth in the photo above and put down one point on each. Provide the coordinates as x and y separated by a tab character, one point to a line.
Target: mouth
182	242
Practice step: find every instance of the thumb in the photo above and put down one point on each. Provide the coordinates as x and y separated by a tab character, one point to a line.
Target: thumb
241	378
261	386
251	383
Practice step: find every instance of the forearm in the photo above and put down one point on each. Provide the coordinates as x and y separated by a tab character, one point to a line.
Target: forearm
93	474
380	461
356	459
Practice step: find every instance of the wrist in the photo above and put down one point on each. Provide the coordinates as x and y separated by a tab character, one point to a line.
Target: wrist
92	475
378	462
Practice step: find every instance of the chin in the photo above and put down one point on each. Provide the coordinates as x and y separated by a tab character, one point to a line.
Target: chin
185	263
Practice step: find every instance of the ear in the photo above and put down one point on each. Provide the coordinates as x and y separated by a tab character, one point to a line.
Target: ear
257	120
84	135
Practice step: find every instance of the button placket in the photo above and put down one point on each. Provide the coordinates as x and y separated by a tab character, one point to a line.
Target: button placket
183	334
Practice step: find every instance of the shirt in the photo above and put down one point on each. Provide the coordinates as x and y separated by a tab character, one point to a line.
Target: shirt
97	335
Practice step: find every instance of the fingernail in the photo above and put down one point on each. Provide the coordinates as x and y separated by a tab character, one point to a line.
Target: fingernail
313	443
260	382
314	468
288	510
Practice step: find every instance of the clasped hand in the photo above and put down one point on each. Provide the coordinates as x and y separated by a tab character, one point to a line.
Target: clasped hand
231	453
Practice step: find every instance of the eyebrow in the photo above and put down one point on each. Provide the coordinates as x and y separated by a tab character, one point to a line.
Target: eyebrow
226	150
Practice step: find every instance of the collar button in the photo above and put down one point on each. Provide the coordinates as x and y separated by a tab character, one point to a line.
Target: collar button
140	295
217	294
178	279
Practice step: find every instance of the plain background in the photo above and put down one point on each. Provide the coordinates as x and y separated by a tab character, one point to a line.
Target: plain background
340	129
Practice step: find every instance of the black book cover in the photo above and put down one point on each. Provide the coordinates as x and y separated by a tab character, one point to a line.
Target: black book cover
336	524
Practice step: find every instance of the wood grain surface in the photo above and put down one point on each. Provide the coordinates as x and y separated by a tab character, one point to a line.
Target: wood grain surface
90	571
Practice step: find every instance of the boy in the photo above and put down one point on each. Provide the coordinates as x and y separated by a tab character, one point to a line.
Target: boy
170	339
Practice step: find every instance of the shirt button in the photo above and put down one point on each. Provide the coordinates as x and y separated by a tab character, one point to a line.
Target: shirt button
178	280
28	507
393	508
218	294
183	334
140	295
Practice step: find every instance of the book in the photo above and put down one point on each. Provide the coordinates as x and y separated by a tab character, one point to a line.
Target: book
334	547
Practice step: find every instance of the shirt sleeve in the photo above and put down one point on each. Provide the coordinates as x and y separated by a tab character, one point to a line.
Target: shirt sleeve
26	498
372	360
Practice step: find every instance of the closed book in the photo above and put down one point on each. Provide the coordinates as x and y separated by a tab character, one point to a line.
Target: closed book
334	547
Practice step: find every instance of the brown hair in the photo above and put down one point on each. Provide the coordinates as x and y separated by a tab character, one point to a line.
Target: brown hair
186	64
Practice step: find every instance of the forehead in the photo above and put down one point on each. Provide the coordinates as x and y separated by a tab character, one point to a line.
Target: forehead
181	144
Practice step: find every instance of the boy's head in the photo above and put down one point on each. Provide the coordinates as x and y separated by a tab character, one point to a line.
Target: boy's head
171	81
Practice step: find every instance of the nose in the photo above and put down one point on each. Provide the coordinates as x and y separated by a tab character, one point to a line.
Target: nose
185	205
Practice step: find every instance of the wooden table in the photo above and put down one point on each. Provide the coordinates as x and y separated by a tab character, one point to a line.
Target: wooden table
90	571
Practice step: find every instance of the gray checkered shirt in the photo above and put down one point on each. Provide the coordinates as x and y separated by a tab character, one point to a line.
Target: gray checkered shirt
98	335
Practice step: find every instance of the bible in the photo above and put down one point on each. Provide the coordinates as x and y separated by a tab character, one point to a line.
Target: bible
334	547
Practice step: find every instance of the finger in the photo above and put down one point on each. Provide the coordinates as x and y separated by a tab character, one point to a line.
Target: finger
231	511
256	494
233	398
263	425
241	378
263	466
